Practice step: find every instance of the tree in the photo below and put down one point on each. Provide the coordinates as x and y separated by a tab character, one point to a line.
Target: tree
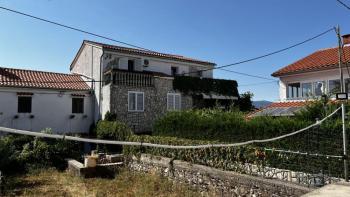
245	101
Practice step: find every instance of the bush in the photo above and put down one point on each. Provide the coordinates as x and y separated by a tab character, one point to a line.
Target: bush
227	126
19	153
235	158
201	124
112	131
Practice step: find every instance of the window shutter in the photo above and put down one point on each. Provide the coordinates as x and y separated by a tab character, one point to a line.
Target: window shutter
140	102
170	101
132	101
177	102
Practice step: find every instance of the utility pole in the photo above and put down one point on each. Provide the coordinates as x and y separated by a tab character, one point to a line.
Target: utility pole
342	89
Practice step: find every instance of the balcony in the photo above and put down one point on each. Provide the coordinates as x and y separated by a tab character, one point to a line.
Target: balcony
126	78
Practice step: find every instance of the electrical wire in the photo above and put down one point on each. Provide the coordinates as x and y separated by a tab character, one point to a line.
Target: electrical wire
135	46
343	4
249	75
255	84
268	54
72	28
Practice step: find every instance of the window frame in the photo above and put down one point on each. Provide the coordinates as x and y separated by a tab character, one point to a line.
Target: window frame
298	92
174	68
174	101
131	68
136	101
18	105
82	112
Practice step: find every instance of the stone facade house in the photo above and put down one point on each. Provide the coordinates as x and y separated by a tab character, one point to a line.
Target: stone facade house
138	85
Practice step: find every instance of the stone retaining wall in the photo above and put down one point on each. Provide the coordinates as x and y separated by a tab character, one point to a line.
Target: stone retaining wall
224	183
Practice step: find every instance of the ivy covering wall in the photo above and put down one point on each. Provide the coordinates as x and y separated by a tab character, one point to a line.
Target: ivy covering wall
188	85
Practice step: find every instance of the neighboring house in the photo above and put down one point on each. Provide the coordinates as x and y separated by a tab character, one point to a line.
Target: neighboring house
63	103
308	78
138	85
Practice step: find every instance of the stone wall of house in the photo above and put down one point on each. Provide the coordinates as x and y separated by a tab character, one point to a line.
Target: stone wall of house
155	103
223	183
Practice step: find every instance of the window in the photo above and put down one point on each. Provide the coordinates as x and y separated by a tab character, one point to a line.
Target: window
173	101
200	73
334	86
77	105
24	104
320	88
131	65
135	101
173	71
293	90
347	85
306	89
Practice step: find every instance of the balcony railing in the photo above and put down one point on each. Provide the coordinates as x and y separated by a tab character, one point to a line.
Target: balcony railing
132	79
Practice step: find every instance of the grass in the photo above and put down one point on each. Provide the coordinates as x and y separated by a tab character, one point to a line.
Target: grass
55	183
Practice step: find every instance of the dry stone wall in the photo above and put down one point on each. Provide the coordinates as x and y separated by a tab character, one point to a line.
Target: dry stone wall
223	183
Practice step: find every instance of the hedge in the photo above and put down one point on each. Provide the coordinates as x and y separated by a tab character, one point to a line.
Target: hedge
234	158
227	126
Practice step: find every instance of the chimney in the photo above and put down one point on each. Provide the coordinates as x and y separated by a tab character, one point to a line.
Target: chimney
346	39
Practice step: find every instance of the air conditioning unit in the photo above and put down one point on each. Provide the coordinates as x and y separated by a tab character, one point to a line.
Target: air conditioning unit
145	62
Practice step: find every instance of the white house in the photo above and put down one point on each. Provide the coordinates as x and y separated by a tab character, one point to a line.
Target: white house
35	100
308	78
137	85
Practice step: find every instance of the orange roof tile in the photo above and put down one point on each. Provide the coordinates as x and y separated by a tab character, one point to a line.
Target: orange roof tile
150	53
320	60
10	77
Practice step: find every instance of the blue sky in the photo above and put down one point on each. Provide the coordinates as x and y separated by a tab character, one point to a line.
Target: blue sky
218	31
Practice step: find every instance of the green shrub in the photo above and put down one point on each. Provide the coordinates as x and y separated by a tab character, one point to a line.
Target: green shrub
110	116
112	130
234	158
19	153
227	126
206	124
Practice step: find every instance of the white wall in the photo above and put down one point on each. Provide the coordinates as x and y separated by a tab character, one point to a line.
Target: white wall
50	110
88	63
308	77
155	64
106	99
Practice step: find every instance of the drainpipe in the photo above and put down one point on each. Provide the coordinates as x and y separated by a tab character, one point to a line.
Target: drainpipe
100	86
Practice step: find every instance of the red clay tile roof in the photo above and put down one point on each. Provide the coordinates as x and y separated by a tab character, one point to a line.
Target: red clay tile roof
10	77
150	53
320	60
287	104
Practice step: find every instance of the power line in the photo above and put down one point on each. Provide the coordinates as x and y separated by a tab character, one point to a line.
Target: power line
249	75
268	54
256	84
343	4
100	36
135	46
72	28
